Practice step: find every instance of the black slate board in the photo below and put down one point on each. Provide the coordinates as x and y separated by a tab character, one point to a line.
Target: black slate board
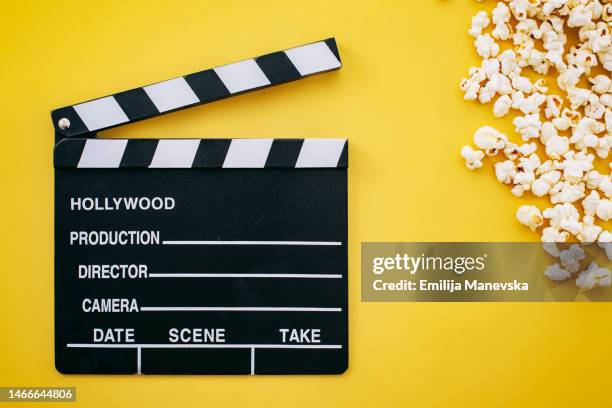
272	209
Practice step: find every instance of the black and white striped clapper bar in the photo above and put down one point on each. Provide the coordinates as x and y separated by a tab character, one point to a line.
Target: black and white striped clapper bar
201	256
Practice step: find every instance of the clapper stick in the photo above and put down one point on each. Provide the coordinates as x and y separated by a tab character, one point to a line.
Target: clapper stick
86	118
200	256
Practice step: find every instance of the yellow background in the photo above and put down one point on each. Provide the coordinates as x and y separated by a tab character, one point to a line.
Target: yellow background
396	99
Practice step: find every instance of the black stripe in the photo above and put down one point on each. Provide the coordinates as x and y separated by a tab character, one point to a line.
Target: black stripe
67	152
136	104
331	43
211	153
207	85
77	127
278	67
284	152
138	153
343	161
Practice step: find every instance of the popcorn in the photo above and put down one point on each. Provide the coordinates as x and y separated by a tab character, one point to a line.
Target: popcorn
553	106
604	241
608	118
561	123
600	84
518	190
548	130
500	84
473	158
556	272
532	103
568	193
593	179
490	140
471	85
606	186
557	146
606	59
560	213
578	97
521	9
569	78
511	151
583	134
594	109
479	22
598	39
583	58
501	13
540	86
527	149
521	83
530	216
572	116
607	12
590	232
502	106
593	277
528	126
505	171
604	209
487	92
579	16
551	248
524	179
508	62
502	31
486	46
571	225
552	5
603	146
545	167
490	67
517	98
576	134
542	186
589	204
575	165
552	234
571	257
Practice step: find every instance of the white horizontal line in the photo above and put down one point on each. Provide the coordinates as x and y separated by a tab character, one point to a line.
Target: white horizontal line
217	345
245	275
237	309
302	243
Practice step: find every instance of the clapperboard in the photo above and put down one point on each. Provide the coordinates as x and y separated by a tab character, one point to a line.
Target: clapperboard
200	256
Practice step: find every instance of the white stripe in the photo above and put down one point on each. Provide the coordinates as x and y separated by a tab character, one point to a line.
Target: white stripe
247	153
252	360
172	94
246	275
177	153
102	153
320	153
236	309
138	360
101	113
241	76
312	58
298	243
214	345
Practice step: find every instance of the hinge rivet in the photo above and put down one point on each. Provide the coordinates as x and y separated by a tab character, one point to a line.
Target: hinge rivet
63	123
